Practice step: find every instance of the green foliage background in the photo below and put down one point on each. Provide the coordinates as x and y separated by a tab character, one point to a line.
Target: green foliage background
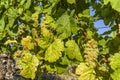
54	34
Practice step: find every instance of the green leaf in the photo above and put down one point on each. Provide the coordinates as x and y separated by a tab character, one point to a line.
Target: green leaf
2	24
49	10
65	60
35	17
115	61
116	74
50	69
65	26
54	1
27	16
102	42
105	51
12	13
10	22
53	53
22	2
85	13
60	69
114	3
106	12
73	25
38	8
71	1
27	4
72	50
89	34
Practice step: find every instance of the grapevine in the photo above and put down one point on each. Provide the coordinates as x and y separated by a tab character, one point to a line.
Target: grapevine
59	38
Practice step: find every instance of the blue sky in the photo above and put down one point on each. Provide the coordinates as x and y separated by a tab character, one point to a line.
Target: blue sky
101	26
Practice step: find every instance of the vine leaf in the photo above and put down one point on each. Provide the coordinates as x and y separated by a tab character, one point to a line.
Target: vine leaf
34	32
27	4
10	42
87	72
12	15
72	50
65	61
43	44
46	27
71	1
27	43
2	24
115	65
114	3
53	53
27	63
65	26
49	68
114	61
35	17
116	74
89	34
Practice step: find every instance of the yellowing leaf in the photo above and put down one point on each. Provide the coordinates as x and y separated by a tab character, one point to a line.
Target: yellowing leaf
46	26
27	42
73	51
10	41
34	32
49	21
87	72
53	53
43	44
45	32
28	64
82	68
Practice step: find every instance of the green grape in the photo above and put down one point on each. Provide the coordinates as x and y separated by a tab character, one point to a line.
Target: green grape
91	51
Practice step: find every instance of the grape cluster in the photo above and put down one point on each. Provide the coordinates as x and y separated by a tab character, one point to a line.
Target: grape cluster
91	51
